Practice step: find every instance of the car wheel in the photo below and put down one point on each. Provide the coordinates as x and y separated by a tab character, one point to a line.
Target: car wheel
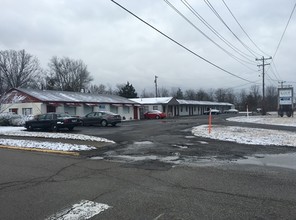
104	123
157	117
54	127
70	128
30	128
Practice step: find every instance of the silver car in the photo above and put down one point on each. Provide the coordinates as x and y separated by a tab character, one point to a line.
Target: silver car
103	118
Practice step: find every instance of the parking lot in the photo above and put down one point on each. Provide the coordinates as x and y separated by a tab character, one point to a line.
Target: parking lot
157	169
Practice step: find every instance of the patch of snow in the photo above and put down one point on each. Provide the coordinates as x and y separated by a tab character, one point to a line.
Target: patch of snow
255	136
45	145
268	119
21	132
83	210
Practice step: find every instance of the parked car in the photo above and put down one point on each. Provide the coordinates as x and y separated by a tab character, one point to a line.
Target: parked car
52	121
154	114
213	112
103	118
232	110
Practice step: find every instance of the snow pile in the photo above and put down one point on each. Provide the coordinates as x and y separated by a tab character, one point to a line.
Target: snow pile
268	119
58	146
255	136
20	131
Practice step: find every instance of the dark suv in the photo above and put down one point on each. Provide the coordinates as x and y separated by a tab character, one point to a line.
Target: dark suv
53	121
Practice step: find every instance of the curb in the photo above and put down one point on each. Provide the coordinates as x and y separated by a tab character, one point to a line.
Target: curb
40	150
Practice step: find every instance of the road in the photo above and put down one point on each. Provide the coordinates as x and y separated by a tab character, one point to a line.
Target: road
37	185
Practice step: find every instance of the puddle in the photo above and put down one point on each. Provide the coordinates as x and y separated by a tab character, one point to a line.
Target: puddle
203	142
272	160
180	146
190	137
142	142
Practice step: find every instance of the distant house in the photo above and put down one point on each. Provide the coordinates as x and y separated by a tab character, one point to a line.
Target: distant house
32	102
169	105
192	107
177	107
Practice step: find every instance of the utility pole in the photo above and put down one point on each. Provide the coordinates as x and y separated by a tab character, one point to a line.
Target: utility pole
263	81
155	81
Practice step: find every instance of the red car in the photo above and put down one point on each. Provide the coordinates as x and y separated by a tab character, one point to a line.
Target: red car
154	114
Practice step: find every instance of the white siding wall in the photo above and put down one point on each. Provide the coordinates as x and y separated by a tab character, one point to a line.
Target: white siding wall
36	107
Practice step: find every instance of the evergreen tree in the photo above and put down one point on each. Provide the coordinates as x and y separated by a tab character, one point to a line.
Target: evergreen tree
127	91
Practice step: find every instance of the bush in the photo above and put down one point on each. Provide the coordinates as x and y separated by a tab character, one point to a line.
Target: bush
12	119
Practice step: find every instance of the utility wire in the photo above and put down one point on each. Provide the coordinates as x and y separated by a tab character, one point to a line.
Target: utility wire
243	28
227	52
277	48
179	44
196	14
221	19
284	31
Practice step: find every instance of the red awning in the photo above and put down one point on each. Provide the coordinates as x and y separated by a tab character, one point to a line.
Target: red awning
53	104
92	104
72	104
117	105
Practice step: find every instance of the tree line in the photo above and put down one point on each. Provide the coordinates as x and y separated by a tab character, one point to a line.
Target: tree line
19	69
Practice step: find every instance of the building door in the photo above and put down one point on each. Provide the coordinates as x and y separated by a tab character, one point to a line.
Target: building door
50	108
136	116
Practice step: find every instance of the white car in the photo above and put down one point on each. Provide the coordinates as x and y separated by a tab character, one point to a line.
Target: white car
213	112
232	110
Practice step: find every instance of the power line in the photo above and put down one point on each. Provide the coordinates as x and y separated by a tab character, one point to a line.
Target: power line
227	52
221	19
211	28
277	48
284	30
179	44
242	28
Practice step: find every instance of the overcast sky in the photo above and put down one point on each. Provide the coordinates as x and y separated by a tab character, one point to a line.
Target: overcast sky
118	48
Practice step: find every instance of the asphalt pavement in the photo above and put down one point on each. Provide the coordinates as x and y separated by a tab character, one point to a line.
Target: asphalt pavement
155	170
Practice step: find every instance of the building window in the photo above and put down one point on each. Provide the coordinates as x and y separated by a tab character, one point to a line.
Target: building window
27	111
155	107
14	110
126	110
114	109
102	106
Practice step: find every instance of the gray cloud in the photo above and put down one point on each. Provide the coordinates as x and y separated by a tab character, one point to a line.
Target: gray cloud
119	48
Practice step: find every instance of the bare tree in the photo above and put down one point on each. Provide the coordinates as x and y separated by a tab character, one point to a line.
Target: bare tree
146	94
220	95
18	69
271	98
68	75
202	95
98	89
190	94
163	92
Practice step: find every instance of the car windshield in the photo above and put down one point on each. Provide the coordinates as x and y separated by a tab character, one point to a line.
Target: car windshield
155	111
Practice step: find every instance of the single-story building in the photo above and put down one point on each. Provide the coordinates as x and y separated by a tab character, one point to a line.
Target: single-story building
169	105
32	102
177	107
192	107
